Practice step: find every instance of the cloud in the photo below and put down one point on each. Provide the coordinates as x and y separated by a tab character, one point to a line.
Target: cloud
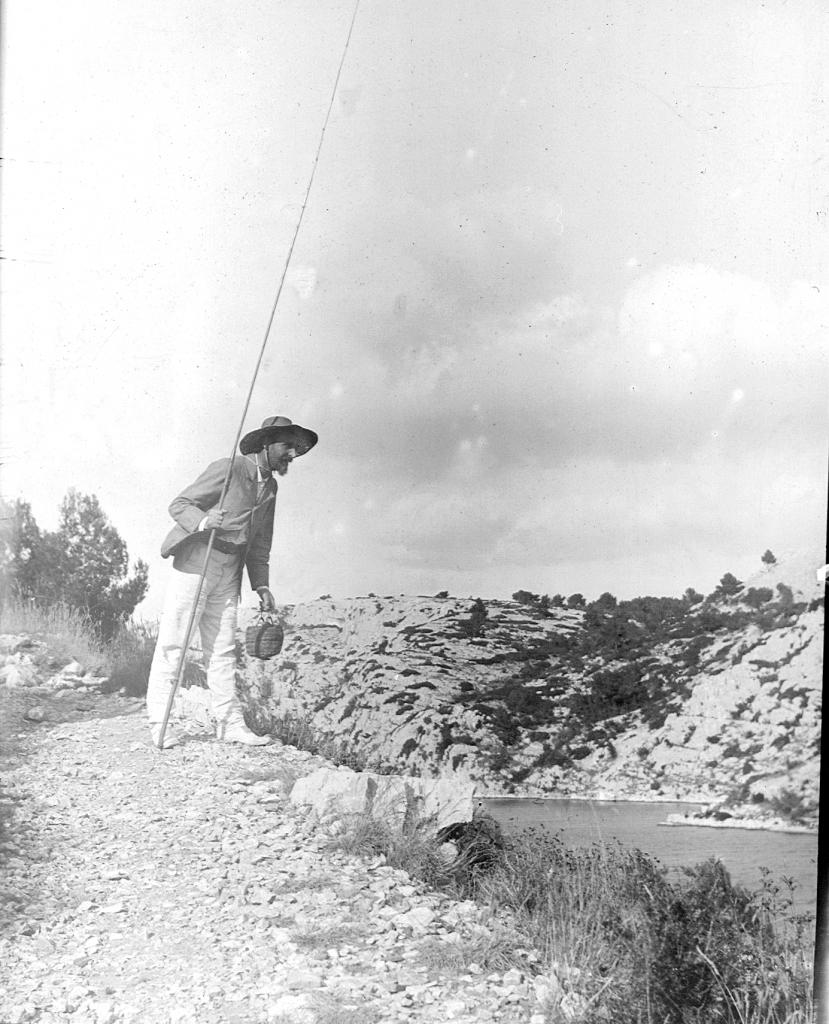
682	426
693	357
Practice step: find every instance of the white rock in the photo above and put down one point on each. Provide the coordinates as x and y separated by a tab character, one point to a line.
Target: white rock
293	1008
418	918
104	1010
392	799
18	676
387	797
448	852
446	801
454	1008
325	791
572	1005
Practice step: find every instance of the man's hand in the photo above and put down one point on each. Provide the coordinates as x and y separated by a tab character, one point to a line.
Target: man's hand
213	519
266	601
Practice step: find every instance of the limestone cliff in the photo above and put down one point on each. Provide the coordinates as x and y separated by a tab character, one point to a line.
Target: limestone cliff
719	701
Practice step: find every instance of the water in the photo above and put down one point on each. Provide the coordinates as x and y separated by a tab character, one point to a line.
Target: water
743	852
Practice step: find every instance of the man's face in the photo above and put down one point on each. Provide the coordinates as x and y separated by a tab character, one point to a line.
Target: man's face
280	456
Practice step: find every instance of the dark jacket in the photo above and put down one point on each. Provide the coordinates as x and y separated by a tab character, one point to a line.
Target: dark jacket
246	524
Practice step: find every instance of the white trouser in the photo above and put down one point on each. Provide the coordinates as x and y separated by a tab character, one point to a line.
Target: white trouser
216	621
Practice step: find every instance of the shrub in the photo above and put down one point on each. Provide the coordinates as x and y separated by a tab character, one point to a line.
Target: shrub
409	747
474	625
728	586
606	602
131	655
554	757
756	596
791	806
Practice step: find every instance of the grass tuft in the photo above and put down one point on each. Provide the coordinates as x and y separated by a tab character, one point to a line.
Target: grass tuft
299	731
497	950
413	849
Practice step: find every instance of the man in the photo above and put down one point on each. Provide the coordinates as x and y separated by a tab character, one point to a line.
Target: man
244	530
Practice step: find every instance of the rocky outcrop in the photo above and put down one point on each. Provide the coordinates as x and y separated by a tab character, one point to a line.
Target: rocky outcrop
400	678
416	686
394	799
747	734
25	664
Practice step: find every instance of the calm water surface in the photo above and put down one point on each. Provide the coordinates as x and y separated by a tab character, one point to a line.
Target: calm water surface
744	852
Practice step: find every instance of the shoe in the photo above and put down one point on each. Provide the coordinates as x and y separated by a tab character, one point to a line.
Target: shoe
238	732
171	737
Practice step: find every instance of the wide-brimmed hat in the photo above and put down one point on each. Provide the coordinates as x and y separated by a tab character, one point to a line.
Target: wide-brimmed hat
278	428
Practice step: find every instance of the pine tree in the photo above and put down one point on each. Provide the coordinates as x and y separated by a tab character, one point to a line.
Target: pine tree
85	565
728	586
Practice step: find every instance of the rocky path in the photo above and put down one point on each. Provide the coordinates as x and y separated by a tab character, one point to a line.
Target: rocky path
183	886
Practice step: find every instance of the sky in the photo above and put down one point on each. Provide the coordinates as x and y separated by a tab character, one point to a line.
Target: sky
557	307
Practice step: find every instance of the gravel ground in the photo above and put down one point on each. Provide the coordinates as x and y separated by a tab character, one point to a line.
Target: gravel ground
183	886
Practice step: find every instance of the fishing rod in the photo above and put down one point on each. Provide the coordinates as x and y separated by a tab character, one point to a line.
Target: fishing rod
193	611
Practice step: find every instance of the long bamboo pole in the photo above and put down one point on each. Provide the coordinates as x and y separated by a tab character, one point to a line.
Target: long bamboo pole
192	620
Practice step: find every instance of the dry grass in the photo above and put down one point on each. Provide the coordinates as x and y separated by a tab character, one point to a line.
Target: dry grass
67	634
299	731
413	850
494	949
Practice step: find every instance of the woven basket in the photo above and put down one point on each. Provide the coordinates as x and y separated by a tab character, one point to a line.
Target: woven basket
263	638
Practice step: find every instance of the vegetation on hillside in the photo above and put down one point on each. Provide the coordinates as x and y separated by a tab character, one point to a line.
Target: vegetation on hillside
571	691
